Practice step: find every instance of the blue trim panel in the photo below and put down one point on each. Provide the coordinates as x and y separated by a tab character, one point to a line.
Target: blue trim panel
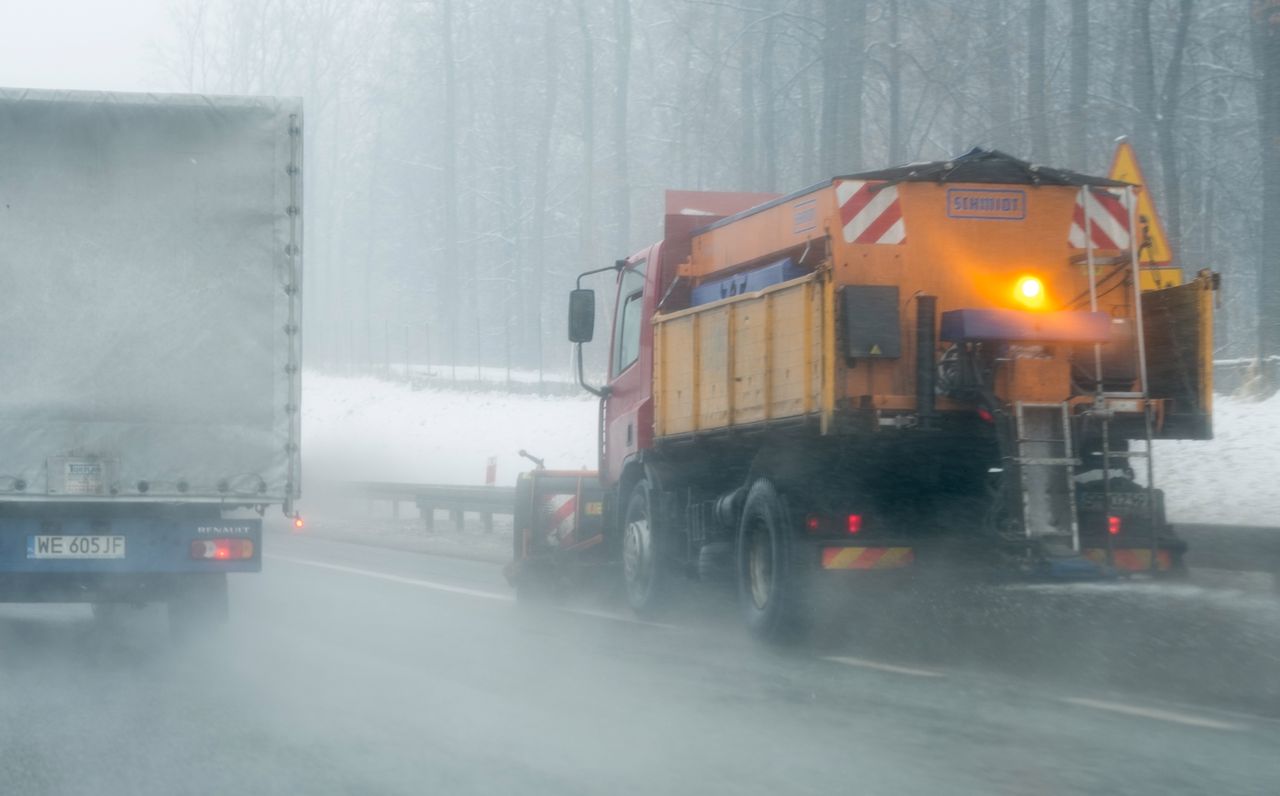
1014	326
152	544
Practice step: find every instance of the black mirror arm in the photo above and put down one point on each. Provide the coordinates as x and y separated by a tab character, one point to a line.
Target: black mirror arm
599	392
618	266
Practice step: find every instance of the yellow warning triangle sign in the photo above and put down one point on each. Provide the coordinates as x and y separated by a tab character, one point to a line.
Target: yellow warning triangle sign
1124	166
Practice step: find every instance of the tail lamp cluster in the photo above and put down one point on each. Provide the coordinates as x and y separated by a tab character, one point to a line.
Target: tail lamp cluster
222	549
823	525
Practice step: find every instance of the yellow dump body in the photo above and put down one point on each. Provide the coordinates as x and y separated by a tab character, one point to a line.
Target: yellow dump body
775	353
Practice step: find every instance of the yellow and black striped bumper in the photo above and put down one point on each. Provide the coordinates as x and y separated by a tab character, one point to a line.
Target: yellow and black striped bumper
867	557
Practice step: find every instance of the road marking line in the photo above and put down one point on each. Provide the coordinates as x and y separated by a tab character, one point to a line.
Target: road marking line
444	587
631	620
423	584
863	663
1154	713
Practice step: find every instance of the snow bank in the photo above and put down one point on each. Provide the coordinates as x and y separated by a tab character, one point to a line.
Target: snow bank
1233	478
365	429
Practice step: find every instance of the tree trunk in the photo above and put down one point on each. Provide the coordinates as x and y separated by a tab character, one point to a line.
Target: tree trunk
538	240
586	214
1037	83
622	77
1166	128
850	158
1078	124
1266	54
1142	86
447	273
1000	76
897	146
767	102
833	52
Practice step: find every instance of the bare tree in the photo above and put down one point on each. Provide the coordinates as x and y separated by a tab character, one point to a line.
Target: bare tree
1037	82
1078	122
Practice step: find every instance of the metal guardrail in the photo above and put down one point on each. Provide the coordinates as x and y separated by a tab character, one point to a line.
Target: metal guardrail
1234	548
429	498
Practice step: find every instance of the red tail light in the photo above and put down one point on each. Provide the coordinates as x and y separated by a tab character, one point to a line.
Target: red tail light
986	416
1113	525
813	523
854	523
222	549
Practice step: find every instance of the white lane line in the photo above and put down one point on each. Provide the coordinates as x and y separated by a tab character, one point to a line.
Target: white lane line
422	584
863	663
444	587
1155	713
631	620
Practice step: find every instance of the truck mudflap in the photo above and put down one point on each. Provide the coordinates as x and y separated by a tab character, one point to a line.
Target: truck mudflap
559	524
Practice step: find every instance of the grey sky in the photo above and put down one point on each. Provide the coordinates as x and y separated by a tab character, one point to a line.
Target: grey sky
82	44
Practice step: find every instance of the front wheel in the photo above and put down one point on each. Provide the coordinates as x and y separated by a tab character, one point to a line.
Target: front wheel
772	572
644	570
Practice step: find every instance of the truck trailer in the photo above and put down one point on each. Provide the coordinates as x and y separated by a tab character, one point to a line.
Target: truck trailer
940	366
150	297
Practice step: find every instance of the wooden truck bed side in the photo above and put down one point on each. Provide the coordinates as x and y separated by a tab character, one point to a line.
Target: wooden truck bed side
752	359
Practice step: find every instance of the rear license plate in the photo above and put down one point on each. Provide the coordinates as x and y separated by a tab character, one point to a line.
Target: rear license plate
1119	500
75	547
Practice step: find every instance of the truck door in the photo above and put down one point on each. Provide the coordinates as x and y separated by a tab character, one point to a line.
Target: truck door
630	362
1178	330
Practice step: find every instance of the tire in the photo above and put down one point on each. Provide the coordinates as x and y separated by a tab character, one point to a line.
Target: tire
773	575
198	605
645	570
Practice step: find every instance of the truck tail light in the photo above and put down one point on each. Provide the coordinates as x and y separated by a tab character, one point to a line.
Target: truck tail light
298	523
824	525
1113	525
222	549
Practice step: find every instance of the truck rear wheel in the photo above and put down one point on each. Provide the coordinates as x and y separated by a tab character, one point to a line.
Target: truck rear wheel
772	578
644	568
199	604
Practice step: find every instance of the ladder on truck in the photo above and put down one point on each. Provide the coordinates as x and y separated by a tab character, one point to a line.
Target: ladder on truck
1104	401
1046	464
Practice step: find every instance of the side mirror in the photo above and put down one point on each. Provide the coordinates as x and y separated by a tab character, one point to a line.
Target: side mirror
582	315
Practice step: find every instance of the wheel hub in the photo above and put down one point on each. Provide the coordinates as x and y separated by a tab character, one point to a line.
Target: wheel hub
636	551
760	569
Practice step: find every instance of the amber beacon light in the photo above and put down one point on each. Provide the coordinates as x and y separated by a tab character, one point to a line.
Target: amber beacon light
1029	291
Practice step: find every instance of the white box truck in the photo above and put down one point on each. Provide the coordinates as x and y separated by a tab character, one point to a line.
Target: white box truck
150	343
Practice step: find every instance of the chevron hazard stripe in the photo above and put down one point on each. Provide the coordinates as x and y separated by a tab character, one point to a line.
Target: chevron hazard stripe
560	515
870	212
1130	559
867	557
1108	220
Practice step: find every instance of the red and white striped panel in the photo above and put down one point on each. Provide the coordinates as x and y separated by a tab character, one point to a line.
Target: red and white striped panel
1108	219
561	514
870	212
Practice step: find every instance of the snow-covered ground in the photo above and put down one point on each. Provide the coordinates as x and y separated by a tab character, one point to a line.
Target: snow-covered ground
365	429
1233	478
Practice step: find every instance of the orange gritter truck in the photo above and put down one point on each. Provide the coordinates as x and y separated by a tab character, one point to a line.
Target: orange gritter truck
940	365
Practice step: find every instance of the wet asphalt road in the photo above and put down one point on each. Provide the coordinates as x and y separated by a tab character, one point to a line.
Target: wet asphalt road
349	669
